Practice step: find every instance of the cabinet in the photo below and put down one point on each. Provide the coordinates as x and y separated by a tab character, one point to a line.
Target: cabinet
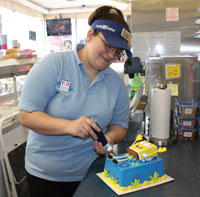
12	134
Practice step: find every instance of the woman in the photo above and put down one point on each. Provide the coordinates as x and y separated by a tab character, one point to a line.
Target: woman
62	96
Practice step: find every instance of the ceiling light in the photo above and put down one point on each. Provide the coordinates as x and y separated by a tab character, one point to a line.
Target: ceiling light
193	49
197	21
197	34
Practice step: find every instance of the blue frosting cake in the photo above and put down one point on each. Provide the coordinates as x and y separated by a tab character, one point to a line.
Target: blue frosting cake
128	171
132	172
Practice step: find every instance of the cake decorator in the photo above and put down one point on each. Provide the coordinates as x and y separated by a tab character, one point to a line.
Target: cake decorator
63	93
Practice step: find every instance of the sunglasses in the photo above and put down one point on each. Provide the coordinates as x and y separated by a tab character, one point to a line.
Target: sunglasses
118	52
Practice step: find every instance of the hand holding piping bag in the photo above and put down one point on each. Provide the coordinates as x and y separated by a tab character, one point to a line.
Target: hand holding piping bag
101	145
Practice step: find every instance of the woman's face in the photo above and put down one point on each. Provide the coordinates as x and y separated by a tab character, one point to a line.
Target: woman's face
99	55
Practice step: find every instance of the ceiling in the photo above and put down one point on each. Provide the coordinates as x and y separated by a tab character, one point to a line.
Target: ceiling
144	15
69	6
49	8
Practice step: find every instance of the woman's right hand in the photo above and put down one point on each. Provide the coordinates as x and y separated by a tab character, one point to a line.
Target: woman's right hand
82	128
42	123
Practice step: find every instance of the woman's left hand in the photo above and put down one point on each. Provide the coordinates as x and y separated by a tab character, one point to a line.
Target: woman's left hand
98	147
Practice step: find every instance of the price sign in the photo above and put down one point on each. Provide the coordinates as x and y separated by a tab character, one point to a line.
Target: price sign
172	71
172	14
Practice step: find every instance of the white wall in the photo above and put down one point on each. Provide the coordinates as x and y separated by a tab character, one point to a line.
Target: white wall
17	26
82	28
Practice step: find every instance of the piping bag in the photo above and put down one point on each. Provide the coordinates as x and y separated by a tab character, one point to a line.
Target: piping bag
103	140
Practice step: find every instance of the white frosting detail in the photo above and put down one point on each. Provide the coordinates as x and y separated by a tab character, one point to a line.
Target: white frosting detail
128	158
144	155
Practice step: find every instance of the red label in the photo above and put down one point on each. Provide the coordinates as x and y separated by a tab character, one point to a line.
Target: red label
24	68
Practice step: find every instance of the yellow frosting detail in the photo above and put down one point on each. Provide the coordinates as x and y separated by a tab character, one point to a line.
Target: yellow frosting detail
131	186
144	149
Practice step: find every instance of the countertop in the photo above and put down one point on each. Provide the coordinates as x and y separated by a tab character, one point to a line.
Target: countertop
181	162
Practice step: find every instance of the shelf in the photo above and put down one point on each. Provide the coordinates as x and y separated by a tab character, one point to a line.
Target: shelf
15	67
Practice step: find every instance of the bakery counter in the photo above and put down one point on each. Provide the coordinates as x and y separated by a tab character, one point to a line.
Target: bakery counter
181	162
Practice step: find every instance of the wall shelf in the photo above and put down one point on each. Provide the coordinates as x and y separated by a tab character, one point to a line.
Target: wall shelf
15	67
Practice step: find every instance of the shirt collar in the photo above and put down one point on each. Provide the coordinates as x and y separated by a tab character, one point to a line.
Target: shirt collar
76	55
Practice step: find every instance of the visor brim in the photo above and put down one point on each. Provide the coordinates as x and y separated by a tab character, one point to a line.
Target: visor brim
118	42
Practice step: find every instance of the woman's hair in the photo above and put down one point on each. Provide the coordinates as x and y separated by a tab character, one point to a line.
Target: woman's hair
107	13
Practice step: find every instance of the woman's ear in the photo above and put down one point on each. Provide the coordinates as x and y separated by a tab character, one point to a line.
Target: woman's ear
90	35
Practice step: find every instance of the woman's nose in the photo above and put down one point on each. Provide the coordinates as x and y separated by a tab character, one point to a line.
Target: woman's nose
111	54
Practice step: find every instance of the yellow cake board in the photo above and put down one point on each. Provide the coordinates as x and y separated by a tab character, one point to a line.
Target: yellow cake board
119	192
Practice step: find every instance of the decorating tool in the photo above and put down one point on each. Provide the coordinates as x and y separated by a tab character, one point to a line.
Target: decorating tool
103	140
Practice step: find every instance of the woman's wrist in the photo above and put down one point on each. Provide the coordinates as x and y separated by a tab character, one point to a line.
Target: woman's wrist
110	139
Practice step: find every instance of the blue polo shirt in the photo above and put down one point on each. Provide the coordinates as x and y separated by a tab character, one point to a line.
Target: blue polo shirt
59	86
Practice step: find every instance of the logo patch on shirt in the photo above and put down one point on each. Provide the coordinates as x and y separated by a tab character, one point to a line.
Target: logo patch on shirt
65	85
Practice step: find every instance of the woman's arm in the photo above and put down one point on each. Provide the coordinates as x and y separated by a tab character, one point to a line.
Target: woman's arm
115	134
42	123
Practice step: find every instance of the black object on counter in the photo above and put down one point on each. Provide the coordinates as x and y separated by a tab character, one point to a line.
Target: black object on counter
133	65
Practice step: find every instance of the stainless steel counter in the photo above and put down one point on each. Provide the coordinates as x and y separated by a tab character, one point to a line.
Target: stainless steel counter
181	161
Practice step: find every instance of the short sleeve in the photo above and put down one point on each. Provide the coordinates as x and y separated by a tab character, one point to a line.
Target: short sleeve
121	110
40	84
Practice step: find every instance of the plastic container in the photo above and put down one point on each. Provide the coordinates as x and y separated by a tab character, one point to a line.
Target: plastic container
3	41
187	122
187	134
135	84
188	108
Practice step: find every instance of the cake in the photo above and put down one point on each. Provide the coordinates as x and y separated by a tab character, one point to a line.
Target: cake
138	167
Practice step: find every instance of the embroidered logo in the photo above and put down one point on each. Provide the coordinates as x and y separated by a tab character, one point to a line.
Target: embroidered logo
106	27
65	86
